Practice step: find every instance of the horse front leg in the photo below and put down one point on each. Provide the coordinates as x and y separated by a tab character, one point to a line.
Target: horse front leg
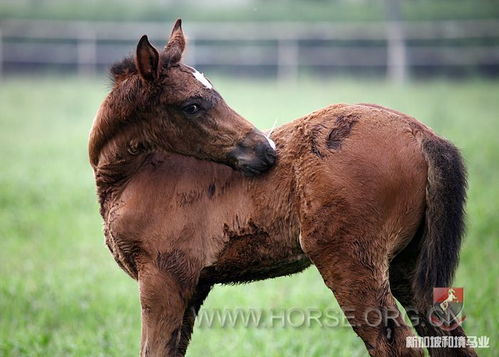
190	315
166	285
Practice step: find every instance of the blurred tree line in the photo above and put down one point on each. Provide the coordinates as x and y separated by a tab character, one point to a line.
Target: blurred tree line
246	10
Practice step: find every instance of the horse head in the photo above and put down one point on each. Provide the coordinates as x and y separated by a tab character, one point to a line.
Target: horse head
175	108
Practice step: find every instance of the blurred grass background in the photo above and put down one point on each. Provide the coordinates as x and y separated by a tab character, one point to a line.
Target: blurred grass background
61	292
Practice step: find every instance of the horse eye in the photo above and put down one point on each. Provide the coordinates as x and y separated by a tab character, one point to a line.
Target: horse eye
191	108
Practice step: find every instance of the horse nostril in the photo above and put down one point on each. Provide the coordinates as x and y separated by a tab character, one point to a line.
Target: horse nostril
253	156
270	156
266	153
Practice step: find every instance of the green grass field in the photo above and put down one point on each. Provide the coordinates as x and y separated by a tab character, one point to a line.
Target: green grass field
61	294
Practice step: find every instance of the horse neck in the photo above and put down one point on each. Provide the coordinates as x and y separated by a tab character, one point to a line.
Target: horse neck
118	161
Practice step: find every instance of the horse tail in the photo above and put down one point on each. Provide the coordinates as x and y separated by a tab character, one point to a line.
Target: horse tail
444	224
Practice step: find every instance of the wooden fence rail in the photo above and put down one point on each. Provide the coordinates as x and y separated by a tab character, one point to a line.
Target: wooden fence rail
394	47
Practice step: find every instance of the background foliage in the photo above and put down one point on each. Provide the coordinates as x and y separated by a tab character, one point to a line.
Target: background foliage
245	10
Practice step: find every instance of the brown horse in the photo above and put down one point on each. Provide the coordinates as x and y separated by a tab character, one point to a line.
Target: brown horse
192	195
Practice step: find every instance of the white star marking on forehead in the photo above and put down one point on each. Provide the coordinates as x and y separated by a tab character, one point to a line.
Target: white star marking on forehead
200	77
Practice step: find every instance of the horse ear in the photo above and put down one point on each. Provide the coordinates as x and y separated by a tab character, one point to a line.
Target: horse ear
175	46
147	59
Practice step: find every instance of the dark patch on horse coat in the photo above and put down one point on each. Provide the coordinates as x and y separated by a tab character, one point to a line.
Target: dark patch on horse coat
172	342
343	128
181	267
314	135
211	190
188	198
124	252
390	330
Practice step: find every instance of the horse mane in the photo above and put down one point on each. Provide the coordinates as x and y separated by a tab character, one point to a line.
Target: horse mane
127	67
118	108
123	69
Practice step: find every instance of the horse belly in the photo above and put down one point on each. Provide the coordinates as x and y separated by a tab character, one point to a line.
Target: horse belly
255	257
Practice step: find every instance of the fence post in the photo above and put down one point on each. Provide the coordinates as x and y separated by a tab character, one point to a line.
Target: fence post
287	60
87	54
396	49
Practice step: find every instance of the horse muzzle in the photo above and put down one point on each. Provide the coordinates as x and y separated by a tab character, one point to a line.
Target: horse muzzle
254	155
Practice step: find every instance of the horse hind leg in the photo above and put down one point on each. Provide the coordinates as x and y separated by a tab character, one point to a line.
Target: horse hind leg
402	269
354	266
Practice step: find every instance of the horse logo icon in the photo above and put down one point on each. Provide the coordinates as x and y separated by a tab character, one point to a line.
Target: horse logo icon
447	307
451	297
